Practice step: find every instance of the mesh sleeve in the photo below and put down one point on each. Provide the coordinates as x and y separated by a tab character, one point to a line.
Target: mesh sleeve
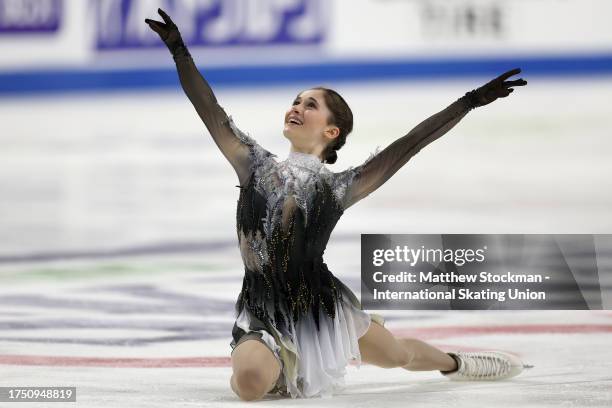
238	148
363	180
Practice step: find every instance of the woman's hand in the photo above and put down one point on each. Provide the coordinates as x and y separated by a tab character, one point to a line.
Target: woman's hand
497	88
169	33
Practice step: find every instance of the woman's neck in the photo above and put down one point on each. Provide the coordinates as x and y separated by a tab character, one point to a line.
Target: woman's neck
293	151
304	160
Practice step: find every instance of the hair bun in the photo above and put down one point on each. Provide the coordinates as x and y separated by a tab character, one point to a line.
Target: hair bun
331	157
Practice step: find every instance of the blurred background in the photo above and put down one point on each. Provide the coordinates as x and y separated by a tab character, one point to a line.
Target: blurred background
102	151
117	211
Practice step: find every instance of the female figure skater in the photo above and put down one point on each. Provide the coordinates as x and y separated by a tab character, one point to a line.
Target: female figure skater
297	325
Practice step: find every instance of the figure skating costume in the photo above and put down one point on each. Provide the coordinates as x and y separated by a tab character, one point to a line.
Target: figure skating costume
286	212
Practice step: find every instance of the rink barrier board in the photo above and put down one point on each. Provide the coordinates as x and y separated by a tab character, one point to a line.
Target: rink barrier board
29	82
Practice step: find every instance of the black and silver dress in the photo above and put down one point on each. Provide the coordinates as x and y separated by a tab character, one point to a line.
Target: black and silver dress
307	317
286	212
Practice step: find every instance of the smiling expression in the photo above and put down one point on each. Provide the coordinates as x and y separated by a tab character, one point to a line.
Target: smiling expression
307	122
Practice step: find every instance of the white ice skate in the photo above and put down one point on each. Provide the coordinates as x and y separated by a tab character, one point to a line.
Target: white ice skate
484	366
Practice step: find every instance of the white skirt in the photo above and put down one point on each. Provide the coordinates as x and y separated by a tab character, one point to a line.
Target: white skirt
314	361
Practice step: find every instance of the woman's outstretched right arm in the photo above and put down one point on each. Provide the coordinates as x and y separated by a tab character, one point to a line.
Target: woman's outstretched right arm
214	117
203	99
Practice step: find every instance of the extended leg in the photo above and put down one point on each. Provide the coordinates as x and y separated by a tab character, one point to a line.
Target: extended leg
379	347
255	370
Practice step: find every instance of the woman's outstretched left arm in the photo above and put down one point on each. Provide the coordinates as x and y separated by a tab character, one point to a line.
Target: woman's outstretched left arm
385	164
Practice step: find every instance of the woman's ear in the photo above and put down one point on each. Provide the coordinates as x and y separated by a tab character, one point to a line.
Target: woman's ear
332	132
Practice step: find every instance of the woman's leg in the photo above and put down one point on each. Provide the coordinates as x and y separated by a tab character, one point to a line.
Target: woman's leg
255	370
380	348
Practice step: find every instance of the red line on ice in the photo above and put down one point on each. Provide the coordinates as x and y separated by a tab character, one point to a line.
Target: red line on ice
458	331
429	333
115	362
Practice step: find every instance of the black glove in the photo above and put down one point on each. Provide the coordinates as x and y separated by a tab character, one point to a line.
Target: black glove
169	34
497	88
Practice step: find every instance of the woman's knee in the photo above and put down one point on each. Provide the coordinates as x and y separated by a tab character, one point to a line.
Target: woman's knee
250	383
255	370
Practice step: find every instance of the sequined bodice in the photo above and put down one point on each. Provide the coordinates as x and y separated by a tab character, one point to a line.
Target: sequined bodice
286	213
289	190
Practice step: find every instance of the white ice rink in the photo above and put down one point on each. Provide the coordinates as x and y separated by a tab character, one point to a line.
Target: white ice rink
119	264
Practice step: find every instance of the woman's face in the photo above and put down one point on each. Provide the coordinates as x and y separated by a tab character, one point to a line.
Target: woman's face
306	122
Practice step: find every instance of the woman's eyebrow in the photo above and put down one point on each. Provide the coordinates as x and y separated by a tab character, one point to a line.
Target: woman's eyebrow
314	100
310	98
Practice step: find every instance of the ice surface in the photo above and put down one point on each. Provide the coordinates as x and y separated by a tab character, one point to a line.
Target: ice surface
119	265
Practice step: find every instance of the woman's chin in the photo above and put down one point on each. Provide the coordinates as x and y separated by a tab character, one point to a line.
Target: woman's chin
288	132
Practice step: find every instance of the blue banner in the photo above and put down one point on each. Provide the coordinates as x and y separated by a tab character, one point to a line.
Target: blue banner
120	23
30	16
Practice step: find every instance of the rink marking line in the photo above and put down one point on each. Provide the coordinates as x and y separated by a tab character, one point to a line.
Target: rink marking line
203	362
129	362
455	331
159	248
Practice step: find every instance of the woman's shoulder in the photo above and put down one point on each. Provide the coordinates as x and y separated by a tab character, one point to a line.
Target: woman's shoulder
344	176
258	154
338	182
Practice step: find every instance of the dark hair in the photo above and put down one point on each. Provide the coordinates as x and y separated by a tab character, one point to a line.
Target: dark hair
341	116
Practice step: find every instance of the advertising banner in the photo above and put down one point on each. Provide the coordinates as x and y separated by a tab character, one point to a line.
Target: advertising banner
30	16
218	23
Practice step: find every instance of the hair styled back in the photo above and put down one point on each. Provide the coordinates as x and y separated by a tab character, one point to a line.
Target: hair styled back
342	117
